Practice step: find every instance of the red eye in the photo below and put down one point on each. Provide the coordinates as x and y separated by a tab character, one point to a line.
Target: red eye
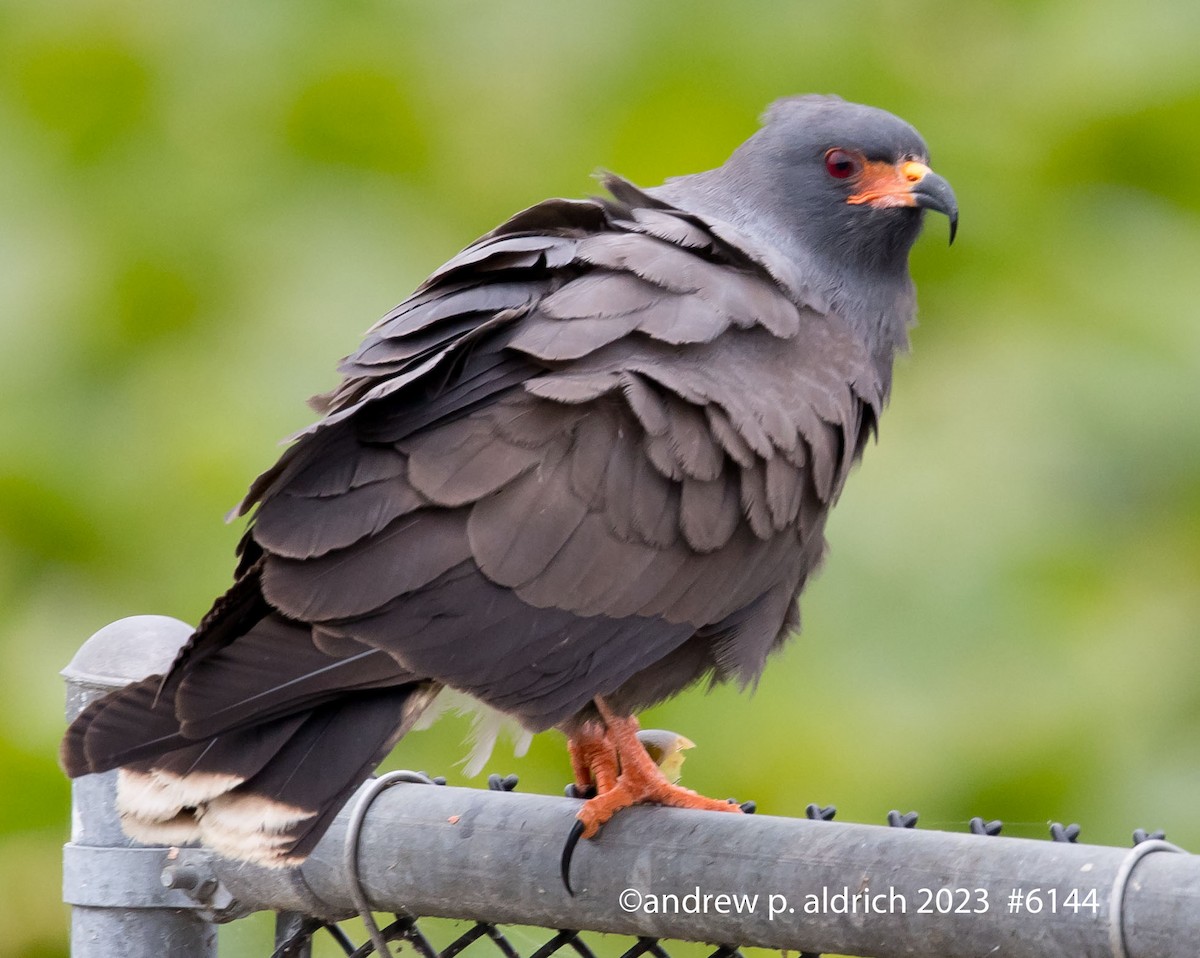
839	164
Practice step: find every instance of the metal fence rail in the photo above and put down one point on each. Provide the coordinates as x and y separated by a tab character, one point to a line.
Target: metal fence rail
492	856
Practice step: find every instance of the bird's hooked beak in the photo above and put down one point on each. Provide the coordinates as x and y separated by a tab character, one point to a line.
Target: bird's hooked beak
908	183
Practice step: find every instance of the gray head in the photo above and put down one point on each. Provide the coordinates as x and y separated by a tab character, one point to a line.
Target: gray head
824	180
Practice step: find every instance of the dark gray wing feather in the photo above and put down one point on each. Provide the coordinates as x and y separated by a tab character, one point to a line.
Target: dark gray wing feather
600	431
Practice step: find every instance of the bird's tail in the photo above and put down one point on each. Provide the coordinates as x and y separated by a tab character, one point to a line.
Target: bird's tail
251	748
263	793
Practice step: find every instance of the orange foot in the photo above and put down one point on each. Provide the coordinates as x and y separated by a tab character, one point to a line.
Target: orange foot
611	760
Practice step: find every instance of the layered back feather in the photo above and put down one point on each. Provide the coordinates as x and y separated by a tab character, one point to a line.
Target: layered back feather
593	454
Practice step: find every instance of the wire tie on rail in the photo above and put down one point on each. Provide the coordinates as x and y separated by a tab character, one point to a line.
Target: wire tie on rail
1116	903
350	850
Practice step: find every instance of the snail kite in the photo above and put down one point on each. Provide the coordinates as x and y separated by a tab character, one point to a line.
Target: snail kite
585	465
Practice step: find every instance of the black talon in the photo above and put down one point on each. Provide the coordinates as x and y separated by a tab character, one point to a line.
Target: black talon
748	808
575	791
896	820
819	813
980	827
567	852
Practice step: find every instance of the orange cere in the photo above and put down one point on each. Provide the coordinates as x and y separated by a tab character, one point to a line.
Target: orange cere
884	184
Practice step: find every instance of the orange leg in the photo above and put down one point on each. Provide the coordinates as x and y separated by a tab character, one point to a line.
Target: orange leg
593	759
639	782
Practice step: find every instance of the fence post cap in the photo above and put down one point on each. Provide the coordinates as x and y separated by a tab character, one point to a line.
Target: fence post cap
127	650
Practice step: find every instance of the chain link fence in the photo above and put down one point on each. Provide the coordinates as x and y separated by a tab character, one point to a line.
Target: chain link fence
418	851
295	933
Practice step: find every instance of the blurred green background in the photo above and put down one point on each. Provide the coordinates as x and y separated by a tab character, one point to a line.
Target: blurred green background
202	206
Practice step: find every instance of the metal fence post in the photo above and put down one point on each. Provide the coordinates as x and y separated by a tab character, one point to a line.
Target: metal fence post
120	904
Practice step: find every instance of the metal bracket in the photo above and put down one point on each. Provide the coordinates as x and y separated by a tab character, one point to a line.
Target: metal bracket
173	878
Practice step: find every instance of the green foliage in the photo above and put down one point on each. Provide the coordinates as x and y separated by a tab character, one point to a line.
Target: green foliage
203	205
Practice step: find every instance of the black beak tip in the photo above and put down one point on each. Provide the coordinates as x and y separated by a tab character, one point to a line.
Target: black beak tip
934	193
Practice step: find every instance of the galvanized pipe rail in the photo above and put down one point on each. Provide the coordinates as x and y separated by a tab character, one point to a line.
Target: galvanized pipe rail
811	886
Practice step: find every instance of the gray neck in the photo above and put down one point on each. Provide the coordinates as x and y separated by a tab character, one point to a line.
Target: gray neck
870	288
